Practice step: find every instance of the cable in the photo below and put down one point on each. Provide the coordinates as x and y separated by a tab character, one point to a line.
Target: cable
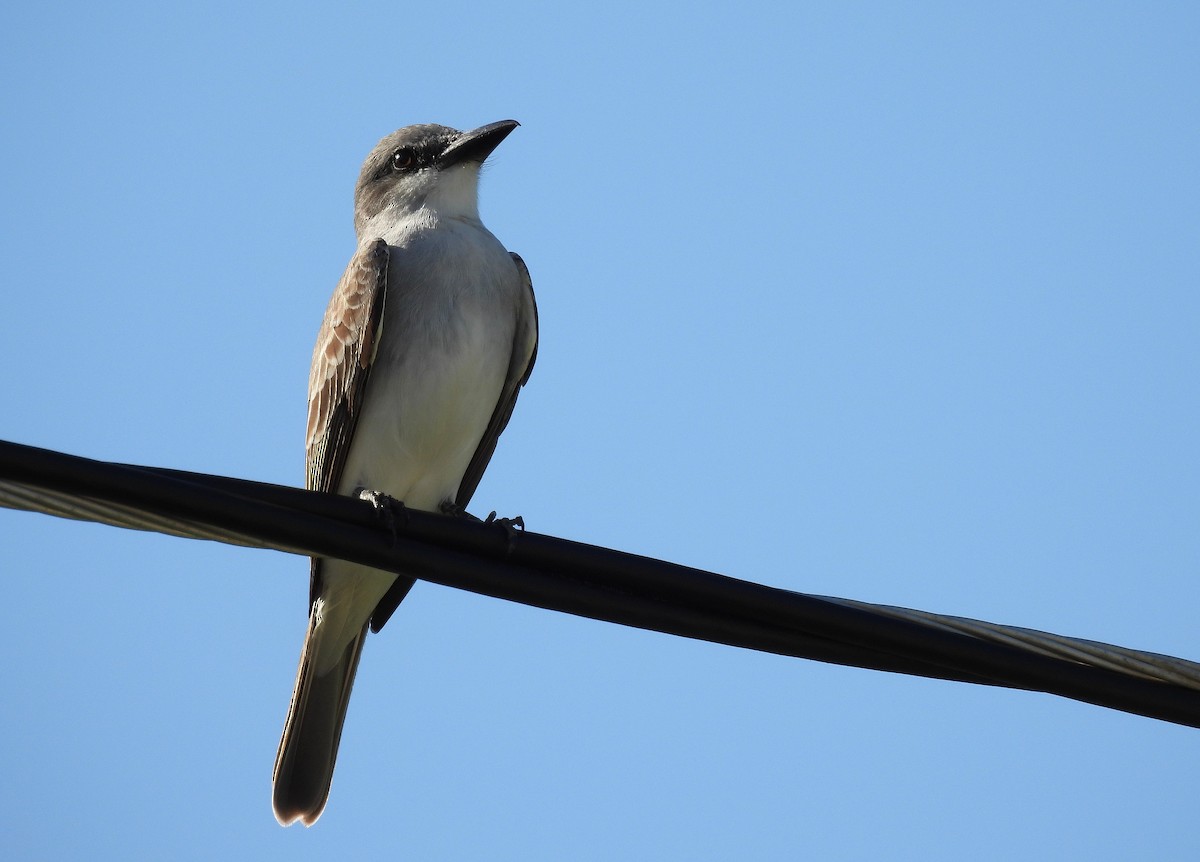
595	582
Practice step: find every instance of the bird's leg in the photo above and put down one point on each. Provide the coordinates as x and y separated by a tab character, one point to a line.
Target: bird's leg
390	510
449	507
510	526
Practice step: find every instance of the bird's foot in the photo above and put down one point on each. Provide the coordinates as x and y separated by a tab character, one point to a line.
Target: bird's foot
510	526
391	511
455	511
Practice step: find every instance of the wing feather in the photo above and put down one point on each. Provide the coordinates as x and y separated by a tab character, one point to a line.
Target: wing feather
520	366
341	364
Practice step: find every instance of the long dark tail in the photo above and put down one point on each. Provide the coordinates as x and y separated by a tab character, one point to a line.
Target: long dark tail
308	749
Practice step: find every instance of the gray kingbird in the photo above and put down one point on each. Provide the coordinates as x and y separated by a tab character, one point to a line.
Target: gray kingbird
430	333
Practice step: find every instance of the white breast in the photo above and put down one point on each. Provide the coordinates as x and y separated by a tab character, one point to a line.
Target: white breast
441	362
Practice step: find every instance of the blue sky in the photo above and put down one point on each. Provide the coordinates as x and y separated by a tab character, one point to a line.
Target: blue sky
894	304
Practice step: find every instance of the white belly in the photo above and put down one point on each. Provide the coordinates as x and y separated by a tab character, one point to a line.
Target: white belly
439	369
444	350
424	415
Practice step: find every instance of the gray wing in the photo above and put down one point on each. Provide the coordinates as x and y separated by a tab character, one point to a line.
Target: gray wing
341	364
520	366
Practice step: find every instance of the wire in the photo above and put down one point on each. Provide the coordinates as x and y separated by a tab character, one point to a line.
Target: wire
599	583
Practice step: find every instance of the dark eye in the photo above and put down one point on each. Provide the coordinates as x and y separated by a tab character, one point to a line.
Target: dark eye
403	160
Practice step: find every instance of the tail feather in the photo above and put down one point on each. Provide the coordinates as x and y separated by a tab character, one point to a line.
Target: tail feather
308	749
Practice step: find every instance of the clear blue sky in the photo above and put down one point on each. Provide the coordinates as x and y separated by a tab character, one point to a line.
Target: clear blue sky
898	305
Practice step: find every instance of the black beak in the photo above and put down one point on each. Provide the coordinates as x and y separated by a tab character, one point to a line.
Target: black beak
477	144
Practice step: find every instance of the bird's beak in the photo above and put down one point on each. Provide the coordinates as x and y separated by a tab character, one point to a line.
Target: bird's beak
477	144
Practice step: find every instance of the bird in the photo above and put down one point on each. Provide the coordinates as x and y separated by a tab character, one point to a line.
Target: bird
429	336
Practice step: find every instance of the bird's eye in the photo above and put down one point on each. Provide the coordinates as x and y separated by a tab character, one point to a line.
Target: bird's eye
403	160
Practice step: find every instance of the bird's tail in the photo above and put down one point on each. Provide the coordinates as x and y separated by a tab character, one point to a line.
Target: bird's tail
308	749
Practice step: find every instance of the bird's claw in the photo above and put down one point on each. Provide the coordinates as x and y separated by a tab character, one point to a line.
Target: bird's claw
391	511
448	507
511	527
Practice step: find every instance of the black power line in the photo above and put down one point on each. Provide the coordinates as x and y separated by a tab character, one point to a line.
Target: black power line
572	577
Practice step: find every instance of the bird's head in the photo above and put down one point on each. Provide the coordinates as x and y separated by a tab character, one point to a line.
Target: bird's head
425	166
